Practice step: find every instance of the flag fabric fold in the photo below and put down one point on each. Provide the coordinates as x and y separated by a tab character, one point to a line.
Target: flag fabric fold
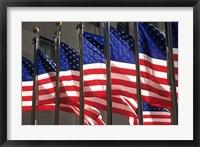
153	115
46	84
122	74
155	88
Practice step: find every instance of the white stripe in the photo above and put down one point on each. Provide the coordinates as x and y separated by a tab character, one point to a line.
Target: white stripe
29	103
46	75
175	51
26	103
131	120
156	120
52	95
27	83
131	100
154	60
69	73
123	65
62	84
47	86
155	113
95	88
27	93
94	77
94	66
62	73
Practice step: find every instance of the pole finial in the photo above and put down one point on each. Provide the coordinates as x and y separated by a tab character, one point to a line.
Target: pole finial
58	23
36	30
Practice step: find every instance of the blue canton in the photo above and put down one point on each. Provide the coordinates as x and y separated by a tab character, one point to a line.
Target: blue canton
69	58
27	69
44	63
151	41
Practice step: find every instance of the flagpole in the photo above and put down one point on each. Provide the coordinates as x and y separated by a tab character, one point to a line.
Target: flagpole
34	116
80	27
139	97
57	49
108	74
174	111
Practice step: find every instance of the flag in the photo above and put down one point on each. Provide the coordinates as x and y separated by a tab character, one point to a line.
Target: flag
27	87
175	50
155	88
153	115
46	92
27	83
122	74
69	77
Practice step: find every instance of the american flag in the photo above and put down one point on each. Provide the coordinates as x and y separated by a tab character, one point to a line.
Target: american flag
27	87
46	84
69	77
122	73
153	115
154	84
155	87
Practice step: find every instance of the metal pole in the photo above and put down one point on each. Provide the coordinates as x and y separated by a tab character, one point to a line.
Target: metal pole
80	35
174	111
57	48
108	73
139	97
35	80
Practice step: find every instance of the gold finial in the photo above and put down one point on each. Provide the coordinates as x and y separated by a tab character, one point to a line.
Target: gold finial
58	23
36	30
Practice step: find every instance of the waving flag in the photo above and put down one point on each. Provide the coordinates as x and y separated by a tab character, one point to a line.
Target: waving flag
155	88
27	87
155	115
46	84
27	83
69	76
122	74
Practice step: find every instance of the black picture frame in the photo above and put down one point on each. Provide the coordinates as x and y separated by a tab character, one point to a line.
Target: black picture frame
4	4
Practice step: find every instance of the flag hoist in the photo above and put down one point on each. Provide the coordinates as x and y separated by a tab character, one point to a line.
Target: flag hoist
35	79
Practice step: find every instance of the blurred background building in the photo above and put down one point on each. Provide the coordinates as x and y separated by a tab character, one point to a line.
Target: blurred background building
69	36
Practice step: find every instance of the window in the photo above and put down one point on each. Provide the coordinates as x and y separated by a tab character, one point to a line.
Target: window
47	46
123	26
97	24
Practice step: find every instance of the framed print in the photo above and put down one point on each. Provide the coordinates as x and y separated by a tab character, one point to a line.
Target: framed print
133	91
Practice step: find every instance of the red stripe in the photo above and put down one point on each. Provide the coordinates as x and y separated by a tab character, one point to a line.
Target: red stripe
175	57
157	123
26	98
156	116
27	88
156	67
47	80
69	78
94	71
